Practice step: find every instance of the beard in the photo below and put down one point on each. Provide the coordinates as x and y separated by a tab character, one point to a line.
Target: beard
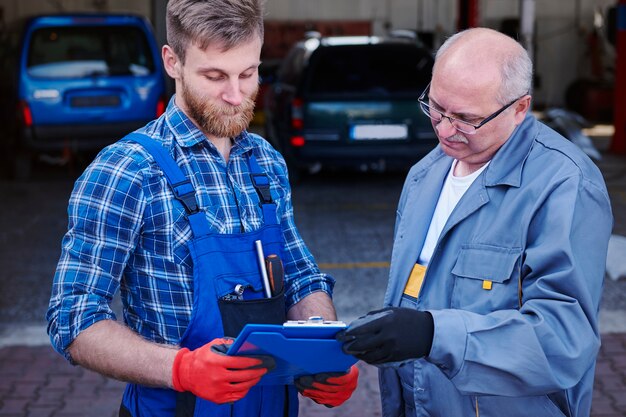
219	120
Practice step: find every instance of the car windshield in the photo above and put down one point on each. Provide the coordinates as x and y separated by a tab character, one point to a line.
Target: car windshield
375	69
75	52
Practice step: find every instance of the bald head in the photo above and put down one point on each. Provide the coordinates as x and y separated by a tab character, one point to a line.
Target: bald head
482	56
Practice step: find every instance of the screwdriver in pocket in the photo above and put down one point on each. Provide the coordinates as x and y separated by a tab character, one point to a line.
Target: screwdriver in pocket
275	272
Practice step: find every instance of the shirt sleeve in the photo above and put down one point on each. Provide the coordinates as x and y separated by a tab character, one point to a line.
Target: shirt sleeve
105	212
552	340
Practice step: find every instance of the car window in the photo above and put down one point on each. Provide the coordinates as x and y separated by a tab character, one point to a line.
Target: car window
70	52
292	66
383	69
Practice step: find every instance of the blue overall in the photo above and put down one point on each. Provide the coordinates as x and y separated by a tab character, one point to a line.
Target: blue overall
221	261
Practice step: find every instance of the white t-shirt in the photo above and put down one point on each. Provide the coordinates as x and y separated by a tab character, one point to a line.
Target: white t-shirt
452	191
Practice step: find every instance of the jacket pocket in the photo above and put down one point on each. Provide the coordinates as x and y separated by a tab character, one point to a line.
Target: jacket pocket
483	278
496	406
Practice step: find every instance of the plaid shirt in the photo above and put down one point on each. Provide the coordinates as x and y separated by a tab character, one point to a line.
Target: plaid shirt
126	231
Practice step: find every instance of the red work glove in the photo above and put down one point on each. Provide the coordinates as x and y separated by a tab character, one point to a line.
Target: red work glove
209	373
329	389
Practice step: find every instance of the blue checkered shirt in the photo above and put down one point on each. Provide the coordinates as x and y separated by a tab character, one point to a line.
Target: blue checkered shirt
126	231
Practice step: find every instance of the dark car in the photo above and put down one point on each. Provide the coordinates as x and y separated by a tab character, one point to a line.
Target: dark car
351	102
267	76
71	83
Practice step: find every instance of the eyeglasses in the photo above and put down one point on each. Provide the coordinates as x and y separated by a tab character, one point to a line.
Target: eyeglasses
459	124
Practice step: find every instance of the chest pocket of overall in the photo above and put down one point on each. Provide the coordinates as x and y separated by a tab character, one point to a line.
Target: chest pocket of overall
236	263
237	313
484	278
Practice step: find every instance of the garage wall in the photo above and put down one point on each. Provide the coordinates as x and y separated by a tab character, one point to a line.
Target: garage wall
564	35
424	15
19	8
564	28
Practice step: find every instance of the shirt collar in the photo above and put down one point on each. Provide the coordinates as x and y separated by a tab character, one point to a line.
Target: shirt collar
187	134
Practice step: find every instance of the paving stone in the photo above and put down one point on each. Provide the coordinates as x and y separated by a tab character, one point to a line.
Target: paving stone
11	405
74	392
603	405
619	400
41	411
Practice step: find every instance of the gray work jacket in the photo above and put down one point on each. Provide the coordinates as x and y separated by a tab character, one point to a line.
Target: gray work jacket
536	223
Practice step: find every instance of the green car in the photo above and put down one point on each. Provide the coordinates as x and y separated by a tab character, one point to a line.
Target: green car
351	102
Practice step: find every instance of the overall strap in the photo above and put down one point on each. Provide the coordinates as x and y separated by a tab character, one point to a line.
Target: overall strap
179	183
261	183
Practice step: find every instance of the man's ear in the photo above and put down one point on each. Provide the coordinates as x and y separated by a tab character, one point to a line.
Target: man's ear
171	62
521	108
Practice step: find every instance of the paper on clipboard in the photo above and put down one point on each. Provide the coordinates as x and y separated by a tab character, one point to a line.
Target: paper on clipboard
299	348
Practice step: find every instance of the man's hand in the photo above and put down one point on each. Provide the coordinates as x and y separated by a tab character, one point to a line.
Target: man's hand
389	335
209	373
329	389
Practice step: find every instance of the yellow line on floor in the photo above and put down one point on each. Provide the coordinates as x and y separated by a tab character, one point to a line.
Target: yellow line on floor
354	265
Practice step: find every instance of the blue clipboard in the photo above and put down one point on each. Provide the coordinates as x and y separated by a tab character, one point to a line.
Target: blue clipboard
299	348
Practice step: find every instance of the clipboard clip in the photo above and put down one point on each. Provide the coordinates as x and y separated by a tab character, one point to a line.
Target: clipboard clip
314	321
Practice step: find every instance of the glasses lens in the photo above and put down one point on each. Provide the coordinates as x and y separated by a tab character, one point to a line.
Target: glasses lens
430	112
463	127
437	116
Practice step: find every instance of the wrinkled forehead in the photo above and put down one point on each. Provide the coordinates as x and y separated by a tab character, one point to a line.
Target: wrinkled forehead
459	89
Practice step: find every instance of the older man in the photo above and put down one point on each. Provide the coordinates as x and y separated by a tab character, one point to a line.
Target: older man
499	253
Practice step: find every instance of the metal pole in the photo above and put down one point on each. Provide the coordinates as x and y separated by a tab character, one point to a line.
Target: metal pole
618	144
468	14
158	20
527	26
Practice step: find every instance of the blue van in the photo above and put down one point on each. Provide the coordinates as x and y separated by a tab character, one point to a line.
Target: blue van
72	83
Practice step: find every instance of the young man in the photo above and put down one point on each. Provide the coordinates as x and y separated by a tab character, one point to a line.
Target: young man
170	216
499	253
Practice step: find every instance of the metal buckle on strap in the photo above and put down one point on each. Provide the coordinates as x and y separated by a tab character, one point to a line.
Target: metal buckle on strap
189	201
261	183
184	192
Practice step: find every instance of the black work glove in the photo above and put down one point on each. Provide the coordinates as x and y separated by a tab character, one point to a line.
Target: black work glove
392	334
330	389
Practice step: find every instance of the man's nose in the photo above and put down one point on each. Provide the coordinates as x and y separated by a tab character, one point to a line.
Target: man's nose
445	128
232	93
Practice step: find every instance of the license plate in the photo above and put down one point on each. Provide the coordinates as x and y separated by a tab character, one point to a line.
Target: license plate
95	101
377	132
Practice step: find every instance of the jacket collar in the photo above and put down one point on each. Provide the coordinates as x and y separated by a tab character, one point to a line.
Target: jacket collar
507	164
